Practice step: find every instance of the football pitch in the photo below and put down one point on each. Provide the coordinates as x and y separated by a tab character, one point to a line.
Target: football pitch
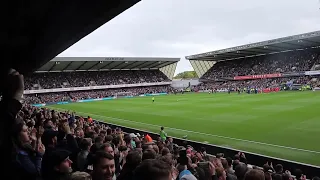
283	125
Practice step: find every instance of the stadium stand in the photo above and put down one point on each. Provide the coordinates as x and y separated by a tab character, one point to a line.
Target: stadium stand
261	65
98	78
61	145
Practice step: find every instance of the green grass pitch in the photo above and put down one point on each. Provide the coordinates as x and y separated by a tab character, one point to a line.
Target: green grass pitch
284	125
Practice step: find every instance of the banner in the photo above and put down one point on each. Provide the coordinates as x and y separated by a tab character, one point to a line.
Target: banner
262	76
311	73
268	90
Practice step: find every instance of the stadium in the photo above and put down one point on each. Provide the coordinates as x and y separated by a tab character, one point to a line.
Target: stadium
254	109
240	121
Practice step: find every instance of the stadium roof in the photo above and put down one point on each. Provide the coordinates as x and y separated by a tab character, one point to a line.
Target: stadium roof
301	41
105	63
34	33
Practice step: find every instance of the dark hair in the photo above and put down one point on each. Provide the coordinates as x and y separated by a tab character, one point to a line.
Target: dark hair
167	159
278	168
149	154
224	163
98	139
152	169
116	140
133	159
100	155
240	171
229	160
165	151
108	138
254	174
85	143
298	173
105	145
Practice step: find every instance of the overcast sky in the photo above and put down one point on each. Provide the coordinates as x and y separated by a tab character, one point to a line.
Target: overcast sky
177	28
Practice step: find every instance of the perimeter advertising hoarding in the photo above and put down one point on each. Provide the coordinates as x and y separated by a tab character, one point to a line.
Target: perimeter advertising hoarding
293	74
312	73
261	76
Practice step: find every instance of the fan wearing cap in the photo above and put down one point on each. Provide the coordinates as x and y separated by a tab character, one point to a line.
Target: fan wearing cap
58	165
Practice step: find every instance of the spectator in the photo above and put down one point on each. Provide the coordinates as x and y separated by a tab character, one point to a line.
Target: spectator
103	166
153	169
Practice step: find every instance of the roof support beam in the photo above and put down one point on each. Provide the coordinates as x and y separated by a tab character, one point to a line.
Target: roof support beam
145	65
81	65
128	64
54	65
93	65
106	65
137	65
67	66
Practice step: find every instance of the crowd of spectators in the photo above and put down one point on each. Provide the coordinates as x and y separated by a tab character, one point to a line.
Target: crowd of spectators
92	78
260	83
293	61
93	94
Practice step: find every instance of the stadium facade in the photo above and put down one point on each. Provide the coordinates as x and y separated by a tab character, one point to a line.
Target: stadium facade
203	62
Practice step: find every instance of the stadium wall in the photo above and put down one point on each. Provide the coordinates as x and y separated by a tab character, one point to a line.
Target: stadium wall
252	158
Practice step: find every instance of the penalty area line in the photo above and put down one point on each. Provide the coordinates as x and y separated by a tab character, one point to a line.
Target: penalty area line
195	132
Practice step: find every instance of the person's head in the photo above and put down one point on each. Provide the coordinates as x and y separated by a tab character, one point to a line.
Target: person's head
298	173
103	166
254	174
153	169
102	133
80	176
60	161
107	148
240	171
167	159
316	178
156	149
108	139
162	128
149	154
221	173
49	138
86	144
165	151
133	159
116	141
124	150
229	160
147	146
77	132
98	139
225	163
20	133
278	168
267	176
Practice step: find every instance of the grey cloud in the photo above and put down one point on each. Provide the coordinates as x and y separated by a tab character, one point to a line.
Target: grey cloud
168	28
